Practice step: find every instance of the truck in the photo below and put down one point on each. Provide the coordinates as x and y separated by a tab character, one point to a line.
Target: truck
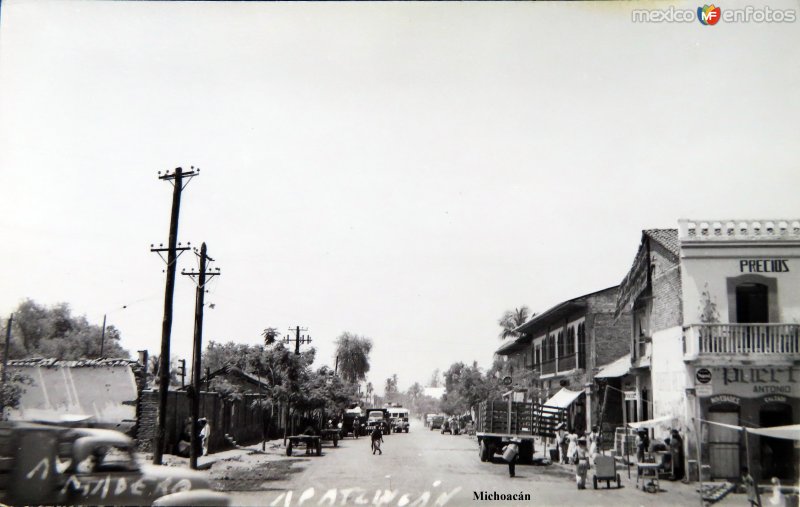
500	421
399	419
378	417
42	464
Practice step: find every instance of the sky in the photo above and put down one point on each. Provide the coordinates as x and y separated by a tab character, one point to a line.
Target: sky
403	171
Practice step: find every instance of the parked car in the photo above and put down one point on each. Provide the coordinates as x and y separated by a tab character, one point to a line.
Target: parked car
436	422
45	464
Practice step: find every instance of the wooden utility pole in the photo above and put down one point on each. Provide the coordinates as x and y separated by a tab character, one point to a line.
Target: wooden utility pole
5	361
103	336
197	351
177	180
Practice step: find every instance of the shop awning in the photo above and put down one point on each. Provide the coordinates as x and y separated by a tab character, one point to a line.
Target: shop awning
618	368
563	398
652	423
791	432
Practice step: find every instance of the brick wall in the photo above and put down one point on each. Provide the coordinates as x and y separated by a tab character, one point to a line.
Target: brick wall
612	336
237	418
666	289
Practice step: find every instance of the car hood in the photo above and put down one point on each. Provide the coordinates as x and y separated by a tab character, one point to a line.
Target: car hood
198	479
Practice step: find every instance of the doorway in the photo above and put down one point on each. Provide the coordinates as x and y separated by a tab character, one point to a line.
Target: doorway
777	455
723	443
752	303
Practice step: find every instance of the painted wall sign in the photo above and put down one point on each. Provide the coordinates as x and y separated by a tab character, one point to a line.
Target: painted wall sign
726	398
703	390
703	375
751	382
763	266
775	399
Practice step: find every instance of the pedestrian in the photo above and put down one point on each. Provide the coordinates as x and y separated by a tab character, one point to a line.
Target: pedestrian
676	455
642	445
594	439
572	438
581	460
510	454
778	499
749	487
205	434
377	439
562	439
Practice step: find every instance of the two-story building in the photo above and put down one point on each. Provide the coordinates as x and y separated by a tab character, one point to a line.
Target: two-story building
714	340
741	313
651	292
561	349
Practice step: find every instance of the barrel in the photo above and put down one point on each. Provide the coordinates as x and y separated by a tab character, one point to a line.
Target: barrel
511	452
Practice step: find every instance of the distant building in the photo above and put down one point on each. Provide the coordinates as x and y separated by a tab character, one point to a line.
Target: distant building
102	391
435	392
560	350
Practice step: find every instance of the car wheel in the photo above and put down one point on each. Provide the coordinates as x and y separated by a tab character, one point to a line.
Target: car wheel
483	452
594	482
289	449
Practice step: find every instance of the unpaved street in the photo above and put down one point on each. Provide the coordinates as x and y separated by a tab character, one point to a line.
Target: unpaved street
422	468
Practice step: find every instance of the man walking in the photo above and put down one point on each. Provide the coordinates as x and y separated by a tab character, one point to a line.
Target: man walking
377	439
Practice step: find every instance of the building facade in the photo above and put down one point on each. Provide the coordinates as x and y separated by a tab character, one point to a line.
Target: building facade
714	341
741	307
559	351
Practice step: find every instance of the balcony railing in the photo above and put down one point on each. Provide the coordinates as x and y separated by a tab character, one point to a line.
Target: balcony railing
742	339
548	366
566	363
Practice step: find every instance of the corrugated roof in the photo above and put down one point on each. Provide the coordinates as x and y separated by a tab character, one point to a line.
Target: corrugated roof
76	363
668	238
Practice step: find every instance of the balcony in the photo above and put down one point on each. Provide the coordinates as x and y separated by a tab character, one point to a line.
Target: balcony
548	367
771	342
566	363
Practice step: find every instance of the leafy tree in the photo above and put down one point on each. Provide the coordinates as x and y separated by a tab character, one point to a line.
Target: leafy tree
53	332
512	319
436	379
12	391
390	390
353	353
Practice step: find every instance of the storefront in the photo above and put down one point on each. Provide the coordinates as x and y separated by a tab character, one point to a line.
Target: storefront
753	397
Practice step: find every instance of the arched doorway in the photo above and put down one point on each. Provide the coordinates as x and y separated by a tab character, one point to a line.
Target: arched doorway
752	303
777	455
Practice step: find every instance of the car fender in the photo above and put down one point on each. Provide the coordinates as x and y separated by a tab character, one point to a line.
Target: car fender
195	497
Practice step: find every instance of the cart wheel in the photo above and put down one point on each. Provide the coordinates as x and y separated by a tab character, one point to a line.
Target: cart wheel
319	448
594	482
619	483
289	449
335	442
651	487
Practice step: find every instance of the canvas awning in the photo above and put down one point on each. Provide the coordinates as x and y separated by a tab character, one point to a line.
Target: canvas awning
618	368
791	432
563	398
652	423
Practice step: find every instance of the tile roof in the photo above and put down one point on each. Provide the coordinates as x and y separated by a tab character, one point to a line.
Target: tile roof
52	362
668	238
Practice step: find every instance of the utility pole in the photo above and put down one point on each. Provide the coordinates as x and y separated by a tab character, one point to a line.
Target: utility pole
197	351
176	178
298	339
5	361
103	336
183	372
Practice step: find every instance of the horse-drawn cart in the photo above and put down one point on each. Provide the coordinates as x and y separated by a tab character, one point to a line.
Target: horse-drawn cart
312	443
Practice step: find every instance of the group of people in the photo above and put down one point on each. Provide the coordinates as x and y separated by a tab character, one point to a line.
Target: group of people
673	445
578	450
201	442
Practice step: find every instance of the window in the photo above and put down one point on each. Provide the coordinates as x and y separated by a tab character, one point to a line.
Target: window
570	340
581	345
561	352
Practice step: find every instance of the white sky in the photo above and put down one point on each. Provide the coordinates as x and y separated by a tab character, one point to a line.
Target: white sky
403	171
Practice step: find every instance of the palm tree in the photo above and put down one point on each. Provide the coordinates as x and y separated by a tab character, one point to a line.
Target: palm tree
270	334
512	320
352	352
